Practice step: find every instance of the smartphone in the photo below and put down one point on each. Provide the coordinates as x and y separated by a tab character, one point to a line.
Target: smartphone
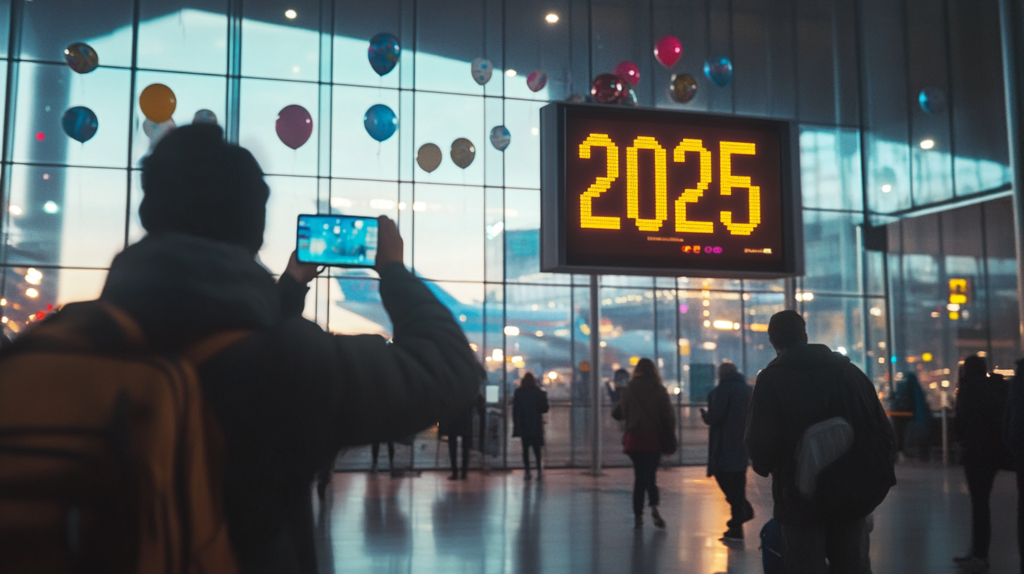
337	240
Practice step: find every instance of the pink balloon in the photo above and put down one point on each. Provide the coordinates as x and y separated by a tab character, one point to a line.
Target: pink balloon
294	126
628	71
668	50
536	81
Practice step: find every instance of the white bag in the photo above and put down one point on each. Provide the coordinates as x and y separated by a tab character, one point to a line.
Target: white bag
821	445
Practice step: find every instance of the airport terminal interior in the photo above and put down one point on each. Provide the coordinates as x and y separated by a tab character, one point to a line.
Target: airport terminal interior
429	111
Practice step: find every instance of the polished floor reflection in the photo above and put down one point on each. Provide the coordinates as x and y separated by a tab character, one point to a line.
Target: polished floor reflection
571	522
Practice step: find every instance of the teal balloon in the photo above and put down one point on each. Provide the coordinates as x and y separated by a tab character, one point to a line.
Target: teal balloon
719	71
383	53
380	122
80	123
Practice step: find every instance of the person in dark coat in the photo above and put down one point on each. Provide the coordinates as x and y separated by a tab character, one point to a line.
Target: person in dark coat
289	396
726	416
910	398
529	403
647	412
1013	437
792	393
461	426
980	400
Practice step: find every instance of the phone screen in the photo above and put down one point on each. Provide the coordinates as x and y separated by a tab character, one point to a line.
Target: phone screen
338	240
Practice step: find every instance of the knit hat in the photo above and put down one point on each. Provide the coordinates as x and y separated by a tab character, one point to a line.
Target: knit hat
198	184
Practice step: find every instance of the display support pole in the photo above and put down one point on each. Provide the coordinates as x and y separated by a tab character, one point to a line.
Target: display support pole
595	378
1010	17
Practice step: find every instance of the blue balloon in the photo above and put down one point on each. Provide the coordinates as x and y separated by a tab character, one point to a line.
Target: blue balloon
932	100
500	137
380	122
383	53
719	71
80	123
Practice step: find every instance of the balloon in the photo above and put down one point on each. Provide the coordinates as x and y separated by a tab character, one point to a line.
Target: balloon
629	97
683	88
294	126
932	100
629	72
429	157
80	123
383	53
536	81
158	103
575	99
463	152
156	132
608	89
204	117
668	50
81	57
380	122
500	137
719	71
482	69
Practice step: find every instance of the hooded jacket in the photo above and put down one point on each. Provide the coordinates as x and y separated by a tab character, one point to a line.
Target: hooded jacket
792	393
727	417
646	411
290	395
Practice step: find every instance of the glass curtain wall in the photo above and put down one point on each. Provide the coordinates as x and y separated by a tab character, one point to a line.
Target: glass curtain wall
472	232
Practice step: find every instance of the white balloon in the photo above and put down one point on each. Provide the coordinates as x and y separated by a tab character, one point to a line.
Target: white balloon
482	70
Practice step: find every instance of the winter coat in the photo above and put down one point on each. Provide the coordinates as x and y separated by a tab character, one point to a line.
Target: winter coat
528	407
727	417
647	412
792	393
290	395
980	402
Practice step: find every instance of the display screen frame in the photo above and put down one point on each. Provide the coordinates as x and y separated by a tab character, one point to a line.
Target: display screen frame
329	218
555	247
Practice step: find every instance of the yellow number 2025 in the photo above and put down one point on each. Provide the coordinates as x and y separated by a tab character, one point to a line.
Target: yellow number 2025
690	195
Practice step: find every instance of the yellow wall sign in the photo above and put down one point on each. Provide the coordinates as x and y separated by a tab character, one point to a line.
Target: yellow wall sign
958	292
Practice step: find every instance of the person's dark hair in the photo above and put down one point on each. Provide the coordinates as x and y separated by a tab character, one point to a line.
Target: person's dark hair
645	370
727	368
528	380
787	329
975	366
620	377
196	183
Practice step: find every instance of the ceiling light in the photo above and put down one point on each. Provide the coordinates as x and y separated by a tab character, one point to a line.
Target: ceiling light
551	18
15	210
290	14
510	73
32	293
927	144
886	188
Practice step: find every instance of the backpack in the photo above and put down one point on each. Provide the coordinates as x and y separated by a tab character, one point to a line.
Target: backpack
110	461
771	548
858	481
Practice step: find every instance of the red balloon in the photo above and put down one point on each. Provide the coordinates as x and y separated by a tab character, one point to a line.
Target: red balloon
294	126
629	72
668	50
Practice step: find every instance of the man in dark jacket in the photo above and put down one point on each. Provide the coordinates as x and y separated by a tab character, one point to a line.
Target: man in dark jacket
980	401
727	457
288	396
792	393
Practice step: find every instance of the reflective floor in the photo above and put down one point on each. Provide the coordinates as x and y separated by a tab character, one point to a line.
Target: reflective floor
571	522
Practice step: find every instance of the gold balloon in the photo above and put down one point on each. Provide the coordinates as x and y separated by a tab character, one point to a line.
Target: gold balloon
158	103
463	152
683	88
429	157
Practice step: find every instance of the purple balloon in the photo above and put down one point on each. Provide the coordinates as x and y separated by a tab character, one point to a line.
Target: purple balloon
294	126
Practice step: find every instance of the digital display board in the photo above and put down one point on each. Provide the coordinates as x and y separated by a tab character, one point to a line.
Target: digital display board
663	192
